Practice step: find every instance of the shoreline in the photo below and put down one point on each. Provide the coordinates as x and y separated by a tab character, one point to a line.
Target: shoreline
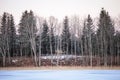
61	68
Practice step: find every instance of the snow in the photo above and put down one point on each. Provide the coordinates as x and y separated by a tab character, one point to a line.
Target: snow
59	56
60	75
14	60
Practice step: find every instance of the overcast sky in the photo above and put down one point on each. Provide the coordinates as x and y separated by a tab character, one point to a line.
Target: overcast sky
59	8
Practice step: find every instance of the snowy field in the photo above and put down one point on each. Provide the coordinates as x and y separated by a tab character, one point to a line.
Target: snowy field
60	75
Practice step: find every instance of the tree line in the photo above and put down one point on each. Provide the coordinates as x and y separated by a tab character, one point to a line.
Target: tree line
37	36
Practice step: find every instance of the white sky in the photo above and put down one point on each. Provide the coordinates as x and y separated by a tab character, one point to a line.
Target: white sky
59	8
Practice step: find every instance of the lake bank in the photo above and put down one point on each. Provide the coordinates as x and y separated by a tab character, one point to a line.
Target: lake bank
61	68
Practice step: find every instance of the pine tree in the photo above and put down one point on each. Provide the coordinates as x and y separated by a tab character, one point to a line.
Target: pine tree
12	36
87	37
105	35
117	47
52	37
3	37
23	34
7	36
65	37
45	45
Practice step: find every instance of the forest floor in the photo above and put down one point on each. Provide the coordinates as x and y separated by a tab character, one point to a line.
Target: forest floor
61	68
69	64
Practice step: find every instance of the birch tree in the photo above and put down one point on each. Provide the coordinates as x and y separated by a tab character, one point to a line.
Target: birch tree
40	21
75	34
27	31
52	24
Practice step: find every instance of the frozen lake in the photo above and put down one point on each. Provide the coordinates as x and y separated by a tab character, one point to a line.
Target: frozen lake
60	75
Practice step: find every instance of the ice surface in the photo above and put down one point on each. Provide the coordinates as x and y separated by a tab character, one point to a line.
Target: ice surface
60	75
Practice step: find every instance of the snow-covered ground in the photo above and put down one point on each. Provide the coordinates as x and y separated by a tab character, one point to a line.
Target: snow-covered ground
60	75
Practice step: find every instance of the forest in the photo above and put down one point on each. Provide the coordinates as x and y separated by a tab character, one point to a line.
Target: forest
39	41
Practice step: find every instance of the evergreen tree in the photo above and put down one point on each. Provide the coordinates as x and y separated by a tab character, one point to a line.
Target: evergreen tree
8	33
7	36
105	35
66	37
3	31
52	39
117	47
3	37
88	37
87	34
23	34
45	45
12	36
